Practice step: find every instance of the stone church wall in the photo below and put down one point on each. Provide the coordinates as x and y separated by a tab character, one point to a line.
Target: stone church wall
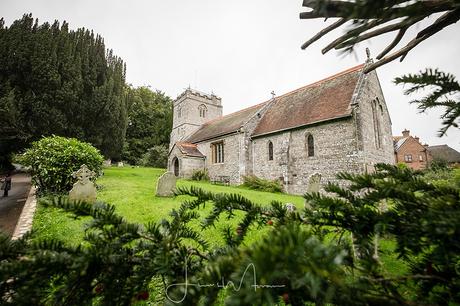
186	113
187	164
367	133
231	166
335	151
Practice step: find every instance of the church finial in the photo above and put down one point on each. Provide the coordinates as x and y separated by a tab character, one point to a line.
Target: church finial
273	94
368	53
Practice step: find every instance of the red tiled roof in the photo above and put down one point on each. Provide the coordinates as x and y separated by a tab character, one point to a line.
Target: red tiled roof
323	100
189	149
224	125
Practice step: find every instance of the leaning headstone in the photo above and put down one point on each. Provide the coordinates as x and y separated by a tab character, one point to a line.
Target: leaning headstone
83	189
314	183
166	185
107	162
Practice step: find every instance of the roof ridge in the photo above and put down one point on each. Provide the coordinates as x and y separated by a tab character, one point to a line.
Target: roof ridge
352	69
189	144
239	111
349	70
443	145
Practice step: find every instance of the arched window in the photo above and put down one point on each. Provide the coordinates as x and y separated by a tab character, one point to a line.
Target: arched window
310	145
202	109
270	150
179	112
376	121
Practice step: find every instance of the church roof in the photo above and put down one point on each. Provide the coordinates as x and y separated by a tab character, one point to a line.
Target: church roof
323	100
444	152
189	149
225	125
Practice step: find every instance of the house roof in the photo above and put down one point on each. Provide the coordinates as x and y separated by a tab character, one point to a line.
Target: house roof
444	152
189	149
398	141
225	124
324	100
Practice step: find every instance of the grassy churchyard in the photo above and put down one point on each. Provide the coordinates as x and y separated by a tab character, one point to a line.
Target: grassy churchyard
132	191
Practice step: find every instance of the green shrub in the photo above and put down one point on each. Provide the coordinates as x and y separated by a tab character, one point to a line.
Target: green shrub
256	183
200	175
402	165
438	164
156	156
52	160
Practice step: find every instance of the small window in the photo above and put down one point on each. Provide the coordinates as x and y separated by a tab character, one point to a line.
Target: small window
202	109
179	112
270	150
408	158
217	152
420	158
310	145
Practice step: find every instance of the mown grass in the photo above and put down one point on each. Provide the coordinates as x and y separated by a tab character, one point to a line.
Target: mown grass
132	192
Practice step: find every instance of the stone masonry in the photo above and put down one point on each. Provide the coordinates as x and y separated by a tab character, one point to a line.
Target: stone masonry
346	115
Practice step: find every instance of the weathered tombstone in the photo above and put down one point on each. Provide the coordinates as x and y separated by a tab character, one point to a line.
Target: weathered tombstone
83	189
120	164
108	163
314	183
166	185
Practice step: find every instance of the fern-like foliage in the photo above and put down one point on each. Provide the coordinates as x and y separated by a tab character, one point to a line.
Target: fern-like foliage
444	92
326	253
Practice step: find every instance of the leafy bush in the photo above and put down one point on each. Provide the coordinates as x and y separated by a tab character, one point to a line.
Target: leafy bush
256	183
156	156
438	164
52	160
200	175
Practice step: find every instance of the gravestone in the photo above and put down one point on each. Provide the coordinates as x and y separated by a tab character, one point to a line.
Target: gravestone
166	185
314	183
108	163
120	164
83	189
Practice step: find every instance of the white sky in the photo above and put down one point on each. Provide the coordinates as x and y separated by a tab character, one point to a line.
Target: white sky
241	50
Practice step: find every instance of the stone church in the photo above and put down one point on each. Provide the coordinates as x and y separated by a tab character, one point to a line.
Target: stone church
340	123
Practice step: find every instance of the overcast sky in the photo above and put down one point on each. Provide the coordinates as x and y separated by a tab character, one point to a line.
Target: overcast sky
240	50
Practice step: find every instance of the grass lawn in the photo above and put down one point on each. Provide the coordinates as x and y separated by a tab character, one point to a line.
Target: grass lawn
132	191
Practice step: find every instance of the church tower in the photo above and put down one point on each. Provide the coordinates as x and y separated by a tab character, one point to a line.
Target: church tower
191	109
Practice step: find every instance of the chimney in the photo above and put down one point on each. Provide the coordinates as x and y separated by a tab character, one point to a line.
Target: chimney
426	145
405	133
417	139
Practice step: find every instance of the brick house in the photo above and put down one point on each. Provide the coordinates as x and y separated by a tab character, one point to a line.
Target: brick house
337	124
410	151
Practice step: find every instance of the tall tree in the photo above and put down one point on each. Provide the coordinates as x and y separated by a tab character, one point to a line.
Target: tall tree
59	81
150	122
